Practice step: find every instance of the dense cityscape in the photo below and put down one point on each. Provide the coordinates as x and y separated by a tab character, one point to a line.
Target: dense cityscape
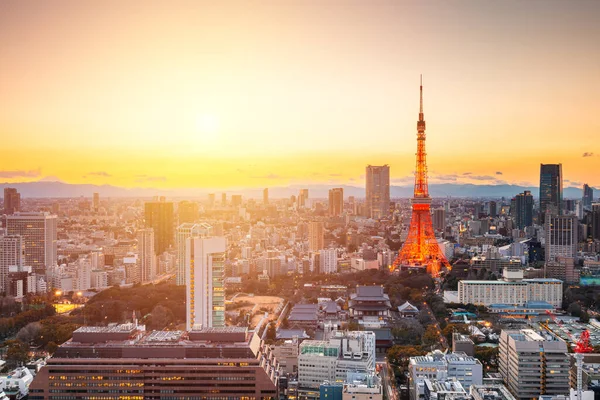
224	200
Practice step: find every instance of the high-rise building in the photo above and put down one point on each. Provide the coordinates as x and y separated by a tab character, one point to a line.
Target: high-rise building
303	198
38	231
439	219
159	216
96	202
266	195
12	253
561	236
184	232
493	209
205	273
146	254
188	211
595	225
236	200
378	191
532	365
211	200
588	196
12	201
551	189
224	199
524	209
315	236
336	202
328	261
127	362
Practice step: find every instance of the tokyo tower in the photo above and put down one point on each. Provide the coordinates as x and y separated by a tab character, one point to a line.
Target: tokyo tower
421	248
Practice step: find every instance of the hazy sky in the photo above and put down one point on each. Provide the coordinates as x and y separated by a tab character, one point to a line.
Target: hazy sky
257	93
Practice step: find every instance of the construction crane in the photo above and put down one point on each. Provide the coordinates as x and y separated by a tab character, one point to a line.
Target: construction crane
582	346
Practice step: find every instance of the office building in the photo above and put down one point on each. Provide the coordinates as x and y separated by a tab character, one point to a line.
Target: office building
185	231
127	362
224	199
531	365
303	198
439	219
331	360
492	209
362	386
205	273
588	196
12	254
495	391
188	212
336	202
378	191
236	200
146	254
524	209
315	236
551	189
12	201
462	343
266	196
211	200
38	231
511	290
159	216
328	261
437	366
96	202
448	389
595	225
561	236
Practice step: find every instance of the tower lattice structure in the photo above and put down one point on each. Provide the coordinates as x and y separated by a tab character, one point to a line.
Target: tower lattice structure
421	248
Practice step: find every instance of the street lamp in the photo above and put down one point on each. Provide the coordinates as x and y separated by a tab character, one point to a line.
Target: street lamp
58	293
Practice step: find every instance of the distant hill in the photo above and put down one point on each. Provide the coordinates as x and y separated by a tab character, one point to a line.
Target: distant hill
61	189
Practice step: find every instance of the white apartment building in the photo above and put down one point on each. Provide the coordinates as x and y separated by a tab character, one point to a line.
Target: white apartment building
205	271
561	236
185	231
12	252
328	261
331	360
38	230
147	256
510	292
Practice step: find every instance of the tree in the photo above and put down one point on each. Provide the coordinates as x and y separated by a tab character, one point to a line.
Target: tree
271	332
431	336
17	352
451	328
161	317
399	356
488	357
353	326
29	332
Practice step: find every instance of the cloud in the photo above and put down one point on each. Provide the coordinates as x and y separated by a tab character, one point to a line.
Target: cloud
404	179
34	173
481	177
269	176
447	177
588	154
335	174
498	172
147	178
100	173
467	173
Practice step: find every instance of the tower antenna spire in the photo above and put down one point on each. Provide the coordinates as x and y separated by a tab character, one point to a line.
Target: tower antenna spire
421	102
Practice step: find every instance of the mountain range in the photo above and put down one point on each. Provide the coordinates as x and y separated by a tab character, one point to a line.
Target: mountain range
60	189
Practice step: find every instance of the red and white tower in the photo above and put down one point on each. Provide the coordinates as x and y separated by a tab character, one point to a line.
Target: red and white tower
421	248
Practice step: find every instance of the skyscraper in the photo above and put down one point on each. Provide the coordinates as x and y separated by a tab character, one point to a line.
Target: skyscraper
439	219
38	231
188	211
524	209
336	202
224	199
315	236
205	270
561	236
236	200
493	210
159	216
12	201
12	253
551	189
303	198
96	202
184	232
146	254
211	200
266	196
595	225
588	196
378	191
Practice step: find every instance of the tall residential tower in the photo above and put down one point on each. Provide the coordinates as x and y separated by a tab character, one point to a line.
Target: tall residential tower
378	191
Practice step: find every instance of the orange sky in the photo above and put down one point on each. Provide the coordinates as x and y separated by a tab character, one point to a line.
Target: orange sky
253	94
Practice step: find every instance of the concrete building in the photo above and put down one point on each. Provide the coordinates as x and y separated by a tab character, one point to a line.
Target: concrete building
378	191
96	202
146	255
188	212
524	209
38	230
331	360
450	389
336	202
205	273
315	236
159	216
328	261
127	362
490	392
462	344
561	236
588	196
362	386
12	201
266	196
287	354
12	253
437	366
439	219
531	365
184	232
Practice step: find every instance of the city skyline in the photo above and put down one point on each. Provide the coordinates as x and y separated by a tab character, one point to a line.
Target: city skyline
177	98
